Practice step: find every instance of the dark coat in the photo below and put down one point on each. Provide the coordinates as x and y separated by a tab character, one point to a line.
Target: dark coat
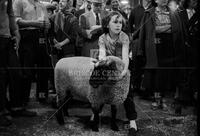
90	46
146	43
65	25
135	18
79	13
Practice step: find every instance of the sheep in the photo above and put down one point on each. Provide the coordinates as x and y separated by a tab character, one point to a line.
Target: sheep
93	81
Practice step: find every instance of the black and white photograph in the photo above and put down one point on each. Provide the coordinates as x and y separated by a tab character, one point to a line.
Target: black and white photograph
99	68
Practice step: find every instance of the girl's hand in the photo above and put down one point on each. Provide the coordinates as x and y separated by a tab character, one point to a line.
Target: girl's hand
123	74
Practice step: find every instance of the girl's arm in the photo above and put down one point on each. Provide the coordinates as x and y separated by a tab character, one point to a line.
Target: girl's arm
102	49
125	53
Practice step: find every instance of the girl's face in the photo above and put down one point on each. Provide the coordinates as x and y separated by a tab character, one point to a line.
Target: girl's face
115	24
162	2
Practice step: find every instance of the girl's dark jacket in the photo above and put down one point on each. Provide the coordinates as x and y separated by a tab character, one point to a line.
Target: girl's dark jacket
146	43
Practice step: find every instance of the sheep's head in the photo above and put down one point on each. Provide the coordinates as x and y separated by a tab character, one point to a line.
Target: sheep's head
106	70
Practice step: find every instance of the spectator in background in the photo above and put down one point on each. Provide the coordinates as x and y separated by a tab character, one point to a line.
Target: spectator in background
108	5
8	29
115	6
189	13
86	7
127	10
173	5
79	3
194	39
92	21
63	33
137	63
50	9
64	28
32	46
56	4
161	41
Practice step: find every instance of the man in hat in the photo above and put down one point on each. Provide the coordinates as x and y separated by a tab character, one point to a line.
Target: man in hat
33	28
89	21
8	29
87	6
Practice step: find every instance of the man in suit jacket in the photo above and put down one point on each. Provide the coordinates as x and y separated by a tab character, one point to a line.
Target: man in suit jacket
88	21
87	6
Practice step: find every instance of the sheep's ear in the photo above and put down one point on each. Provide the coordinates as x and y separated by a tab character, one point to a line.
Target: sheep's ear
94	61
96	64
101	63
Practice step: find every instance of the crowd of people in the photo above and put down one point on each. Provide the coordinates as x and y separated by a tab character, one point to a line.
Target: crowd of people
156	39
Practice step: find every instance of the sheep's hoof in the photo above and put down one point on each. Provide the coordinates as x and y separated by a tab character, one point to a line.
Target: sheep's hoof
60	118
66	113
95	129
94	126
114	127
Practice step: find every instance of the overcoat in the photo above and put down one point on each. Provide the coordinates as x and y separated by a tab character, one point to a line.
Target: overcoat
86	21
154	76
146	41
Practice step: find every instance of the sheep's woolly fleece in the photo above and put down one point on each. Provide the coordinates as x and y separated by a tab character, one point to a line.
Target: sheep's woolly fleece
73	74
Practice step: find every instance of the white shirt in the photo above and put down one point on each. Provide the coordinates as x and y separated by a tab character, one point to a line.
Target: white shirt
96	17
190	13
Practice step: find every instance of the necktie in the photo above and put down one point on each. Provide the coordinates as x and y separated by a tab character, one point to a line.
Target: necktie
97	19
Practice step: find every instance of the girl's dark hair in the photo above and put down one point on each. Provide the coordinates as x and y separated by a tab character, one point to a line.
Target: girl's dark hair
106	20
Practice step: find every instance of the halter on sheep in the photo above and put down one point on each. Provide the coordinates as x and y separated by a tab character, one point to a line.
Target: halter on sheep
87	86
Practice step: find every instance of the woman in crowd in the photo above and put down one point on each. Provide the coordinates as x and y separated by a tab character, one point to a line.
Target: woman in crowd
188	12
116	43
161	42
173	5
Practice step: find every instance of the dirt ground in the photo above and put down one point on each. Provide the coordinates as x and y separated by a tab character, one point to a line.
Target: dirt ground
150	123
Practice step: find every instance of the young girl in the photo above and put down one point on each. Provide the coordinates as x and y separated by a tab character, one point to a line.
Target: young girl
116	43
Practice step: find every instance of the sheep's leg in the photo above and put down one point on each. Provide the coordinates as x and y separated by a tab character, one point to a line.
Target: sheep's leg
95	122
113	118
100	110
66	104
60	116
62	109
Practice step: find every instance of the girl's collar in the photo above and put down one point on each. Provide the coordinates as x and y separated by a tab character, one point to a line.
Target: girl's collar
108	37
160	10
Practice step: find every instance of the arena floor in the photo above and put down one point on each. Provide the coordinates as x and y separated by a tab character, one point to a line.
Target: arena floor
150	123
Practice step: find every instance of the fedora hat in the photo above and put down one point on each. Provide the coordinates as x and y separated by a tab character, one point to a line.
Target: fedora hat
98	1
